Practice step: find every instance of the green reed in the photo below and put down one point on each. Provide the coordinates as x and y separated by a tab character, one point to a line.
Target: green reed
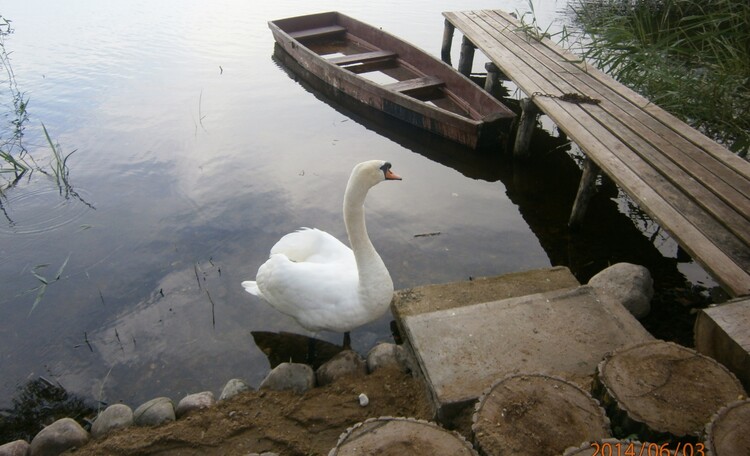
691	57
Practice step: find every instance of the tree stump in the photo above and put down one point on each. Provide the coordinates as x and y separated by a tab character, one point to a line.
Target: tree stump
620	447
388	436
536	415
662	391
729	431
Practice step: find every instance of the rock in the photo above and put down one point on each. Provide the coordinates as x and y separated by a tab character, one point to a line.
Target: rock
195	401
363	400
15	448
233	387
386	354
116	416
629	284
154	412
59	436
344	364
290	376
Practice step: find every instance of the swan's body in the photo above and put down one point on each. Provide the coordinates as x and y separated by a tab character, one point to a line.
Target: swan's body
320	282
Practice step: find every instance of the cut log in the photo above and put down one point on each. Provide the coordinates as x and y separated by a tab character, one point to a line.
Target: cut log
662	391
390	436
729	432
536	415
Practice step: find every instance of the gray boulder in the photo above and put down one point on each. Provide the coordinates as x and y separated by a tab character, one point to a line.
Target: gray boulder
116	416
386	354
59	436
290	376
16	448
154	412
233	387
344	364
629	284
195	401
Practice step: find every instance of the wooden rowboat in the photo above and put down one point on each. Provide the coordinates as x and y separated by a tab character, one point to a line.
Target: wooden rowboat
391	75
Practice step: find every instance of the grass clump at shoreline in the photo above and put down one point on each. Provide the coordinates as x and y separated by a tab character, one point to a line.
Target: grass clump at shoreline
690	57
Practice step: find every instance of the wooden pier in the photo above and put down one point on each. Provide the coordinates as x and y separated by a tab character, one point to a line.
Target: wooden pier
695	188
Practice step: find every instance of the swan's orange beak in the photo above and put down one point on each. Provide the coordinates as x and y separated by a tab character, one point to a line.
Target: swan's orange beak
390	175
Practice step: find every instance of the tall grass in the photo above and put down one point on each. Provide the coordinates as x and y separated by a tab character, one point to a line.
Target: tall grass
690	57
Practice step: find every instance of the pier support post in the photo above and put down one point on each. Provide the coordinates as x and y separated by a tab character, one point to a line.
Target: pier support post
493	77
492	84
586	190
526	125
445	49
466	60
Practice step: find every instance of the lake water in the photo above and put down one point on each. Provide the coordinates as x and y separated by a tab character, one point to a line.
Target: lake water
194	151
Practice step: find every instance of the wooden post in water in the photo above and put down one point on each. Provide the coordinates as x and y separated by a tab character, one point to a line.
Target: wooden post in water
586	189
493	78
466	60
526	125
445	49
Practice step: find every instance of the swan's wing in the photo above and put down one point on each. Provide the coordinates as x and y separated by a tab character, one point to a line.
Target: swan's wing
313	245
310	292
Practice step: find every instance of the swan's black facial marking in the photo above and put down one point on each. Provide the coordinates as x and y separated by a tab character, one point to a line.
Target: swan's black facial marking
387	173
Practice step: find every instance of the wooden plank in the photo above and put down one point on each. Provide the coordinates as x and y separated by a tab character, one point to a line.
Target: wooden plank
318	32
411	85
608	151
363	57
715	173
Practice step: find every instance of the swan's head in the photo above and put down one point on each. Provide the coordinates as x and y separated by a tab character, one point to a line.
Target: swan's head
373	172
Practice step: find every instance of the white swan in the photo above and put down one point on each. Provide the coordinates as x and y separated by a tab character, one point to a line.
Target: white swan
320	282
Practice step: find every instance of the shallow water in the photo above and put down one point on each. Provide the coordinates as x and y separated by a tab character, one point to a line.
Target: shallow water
194	152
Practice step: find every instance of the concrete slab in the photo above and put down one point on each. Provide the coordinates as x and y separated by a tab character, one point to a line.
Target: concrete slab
723	333
430	298
462	350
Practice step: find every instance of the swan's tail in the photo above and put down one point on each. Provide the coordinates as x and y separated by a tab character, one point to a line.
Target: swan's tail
252	287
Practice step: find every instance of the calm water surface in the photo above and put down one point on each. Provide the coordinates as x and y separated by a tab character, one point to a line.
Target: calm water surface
194	152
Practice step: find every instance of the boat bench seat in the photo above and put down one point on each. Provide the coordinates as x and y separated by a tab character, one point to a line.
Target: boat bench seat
417	84
363	57
319	32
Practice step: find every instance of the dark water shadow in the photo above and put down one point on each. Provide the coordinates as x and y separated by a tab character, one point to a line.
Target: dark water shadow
286	347
37	404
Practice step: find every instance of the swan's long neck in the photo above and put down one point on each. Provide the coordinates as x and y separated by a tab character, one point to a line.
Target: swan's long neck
373	275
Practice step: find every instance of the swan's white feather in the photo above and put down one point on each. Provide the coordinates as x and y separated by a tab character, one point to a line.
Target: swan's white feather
314	278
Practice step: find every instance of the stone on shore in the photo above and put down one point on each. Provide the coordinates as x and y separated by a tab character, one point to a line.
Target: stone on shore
346	363
387	354
233	387
15	448
629	284
290	376
59	436
193	402
154	412
116	416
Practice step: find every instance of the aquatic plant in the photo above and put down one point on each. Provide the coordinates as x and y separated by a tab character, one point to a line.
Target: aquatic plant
12	150
690	57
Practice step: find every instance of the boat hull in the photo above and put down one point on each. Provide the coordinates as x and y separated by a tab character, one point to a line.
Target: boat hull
390	75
